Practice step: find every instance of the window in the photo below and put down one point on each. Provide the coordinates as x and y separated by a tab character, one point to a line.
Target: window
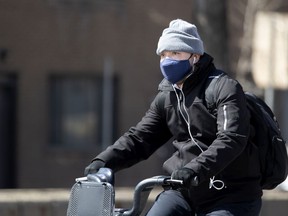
76	119
87	4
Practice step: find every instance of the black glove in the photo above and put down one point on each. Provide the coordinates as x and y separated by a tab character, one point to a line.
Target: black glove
94	167
187	175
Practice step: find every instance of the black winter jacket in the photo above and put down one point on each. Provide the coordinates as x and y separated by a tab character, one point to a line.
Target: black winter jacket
221	134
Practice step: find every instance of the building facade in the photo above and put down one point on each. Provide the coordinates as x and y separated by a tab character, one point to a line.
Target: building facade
74	76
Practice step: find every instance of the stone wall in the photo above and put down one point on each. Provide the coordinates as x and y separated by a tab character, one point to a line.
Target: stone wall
54	202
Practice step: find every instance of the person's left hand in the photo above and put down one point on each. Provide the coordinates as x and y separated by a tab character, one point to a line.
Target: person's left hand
187	175
93	167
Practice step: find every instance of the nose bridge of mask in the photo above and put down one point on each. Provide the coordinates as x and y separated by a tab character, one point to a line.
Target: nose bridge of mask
170	61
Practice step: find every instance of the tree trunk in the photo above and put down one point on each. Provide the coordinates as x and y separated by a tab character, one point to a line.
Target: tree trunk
210	18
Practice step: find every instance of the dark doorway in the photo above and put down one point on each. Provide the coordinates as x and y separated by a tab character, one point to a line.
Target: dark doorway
7	130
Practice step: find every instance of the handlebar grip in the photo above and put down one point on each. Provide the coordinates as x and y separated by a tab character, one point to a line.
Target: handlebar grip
173	181
103	175
194	182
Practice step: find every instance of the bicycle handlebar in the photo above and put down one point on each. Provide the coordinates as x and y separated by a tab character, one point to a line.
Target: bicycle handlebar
103	175
141	191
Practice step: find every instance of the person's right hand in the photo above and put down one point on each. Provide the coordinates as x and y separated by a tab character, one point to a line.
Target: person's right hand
93	167
187	175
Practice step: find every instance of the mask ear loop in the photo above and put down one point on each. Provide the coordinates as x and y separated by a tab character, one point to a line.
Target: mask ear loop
194	60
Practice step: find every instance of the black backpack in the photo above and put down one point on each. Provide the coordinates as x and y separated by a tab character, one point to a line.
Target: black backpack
266	135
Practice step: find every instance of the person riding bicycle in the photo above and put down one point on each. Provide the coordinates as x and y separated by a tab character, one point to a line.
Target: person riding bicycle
218	168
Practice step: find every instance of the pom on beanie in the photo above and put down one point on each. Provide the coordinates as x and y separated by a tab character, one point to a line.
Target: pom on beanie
180	36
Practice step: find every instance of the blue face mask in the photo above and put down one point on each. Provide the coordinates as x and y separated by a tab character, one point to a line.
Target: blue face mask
175	70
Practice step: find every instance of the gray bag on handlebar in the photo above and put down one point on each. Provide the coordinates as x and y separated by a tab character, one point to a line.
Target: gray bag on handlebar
90	196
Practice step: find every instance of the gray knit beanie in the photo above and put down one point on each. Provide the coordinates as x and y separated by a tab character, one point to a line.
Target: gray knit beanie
180	36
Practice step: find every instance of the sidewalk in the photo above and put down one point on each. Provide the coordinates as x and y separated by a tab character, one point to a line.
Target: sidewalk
54	202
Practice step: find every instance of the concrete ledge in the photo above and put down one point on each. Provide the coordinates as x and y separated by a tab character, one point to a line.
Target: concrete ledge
54	202
33	202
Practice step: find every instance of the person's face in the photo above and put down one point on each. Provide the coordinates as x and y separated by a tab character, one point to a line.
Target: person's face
193	58
180	56
175	55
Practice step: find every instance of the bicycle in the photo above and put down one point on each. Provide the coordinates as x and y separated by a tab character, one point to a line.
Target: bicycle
94	195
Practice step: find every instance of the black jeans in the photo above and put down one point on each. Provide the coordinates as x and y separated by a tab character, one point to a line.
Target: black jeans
169	203
172	203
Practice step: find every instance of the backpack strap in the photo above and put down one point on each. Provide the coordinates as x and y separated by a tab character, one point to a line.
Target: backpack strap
210	97
209	89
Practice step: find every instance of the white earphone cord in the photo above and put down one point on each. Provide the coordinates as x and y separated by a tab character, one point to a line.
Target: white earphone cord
212	180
